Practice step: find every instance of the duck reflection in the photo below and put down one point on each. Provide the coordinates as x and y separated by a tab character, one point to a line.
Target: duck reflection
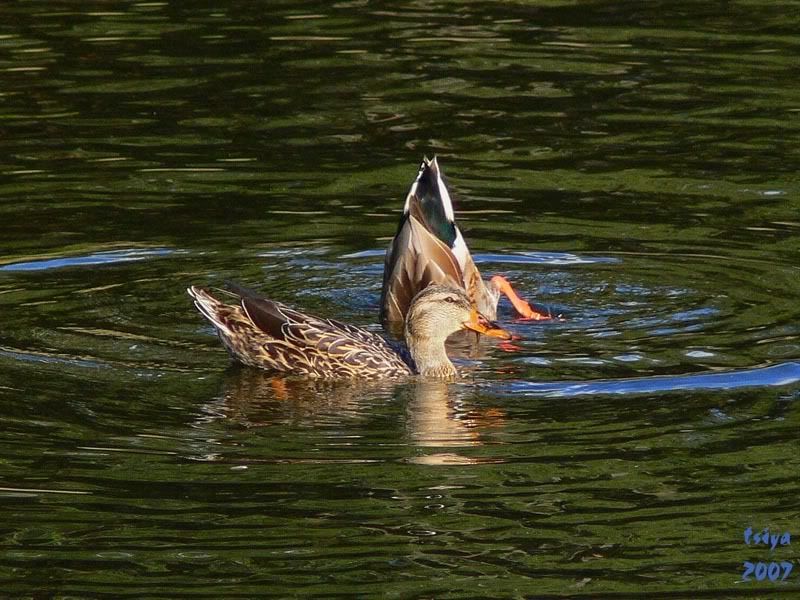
438	415
256	398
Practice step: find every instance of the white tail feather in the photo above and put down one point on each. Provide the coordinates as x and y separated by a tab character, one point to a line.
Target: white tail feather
443	193
206	304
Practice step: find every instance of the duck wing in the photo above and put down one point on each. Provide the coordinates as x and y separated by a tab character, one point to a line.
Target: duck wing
415	259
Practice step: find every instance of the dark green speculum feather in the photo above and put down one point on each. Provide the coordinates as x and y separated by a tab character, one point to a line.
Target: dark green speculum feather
429	207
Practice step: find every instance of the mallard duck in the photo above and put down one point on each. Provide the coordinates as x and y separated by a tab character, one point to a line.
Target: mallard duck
270	335
429	248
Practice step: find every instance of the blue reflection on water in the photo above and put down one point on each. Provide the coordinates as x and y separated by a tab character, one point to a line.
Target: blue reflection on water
51	359
527	258
775	375
97	258
543	258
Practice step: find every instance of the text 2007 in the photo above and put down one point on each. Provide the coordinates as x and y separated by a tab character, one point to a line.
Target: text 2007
772	571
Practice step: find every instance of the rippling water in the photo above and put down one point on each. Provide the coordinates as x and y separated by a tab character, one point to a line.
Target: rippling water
631	167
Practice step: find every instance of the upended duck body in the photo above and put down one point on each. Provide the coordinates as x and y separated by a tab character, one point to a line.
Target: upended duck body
429	248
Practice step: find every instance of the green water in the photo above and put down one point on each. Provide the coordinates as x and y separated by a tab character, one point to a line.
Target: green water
632	166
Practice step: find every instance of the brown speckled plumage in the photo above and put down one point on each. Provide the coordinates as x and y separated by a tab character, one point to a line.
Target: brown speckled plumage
270	335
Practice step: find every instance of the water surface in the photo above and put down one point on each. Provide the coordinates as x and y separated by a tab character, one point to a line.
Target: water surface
630	167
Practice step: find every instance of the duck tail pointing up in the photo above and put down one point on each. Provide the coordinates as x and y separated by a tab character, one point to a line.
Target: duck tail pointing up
429	202
208	306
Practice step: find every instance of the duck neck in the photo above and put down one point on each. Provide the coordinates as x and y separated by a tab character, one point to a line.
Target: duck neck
430	356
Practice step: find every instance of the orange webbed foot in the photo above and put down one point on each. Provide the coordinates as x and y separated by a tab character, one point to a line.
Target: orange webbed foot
523	308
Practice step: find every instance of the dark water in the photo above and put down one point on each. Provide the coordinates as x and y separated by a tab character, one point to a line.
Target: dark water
630	165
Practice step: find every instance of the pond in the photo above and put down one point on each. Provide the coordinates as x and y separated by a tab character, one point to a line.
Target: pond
632	167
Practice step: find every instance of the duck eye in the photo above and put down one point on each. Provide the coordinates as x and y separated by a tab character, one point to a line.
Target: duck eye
451	300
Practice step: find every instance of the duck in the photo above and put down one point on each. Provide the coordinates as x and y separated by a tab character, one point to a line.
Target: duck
429	248
267	334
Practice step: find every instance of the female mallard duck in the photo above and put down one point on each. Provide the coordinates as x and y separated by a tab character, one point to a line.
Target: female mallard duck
270	335
429	248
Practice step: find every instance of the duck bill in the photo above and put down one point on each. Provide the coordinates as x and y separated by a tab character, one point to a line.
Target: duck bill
481	324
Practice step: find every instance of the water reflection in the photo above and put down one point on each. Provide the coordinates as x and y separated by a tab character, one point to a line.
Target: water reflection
440	417
257	398
785	374
95	258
